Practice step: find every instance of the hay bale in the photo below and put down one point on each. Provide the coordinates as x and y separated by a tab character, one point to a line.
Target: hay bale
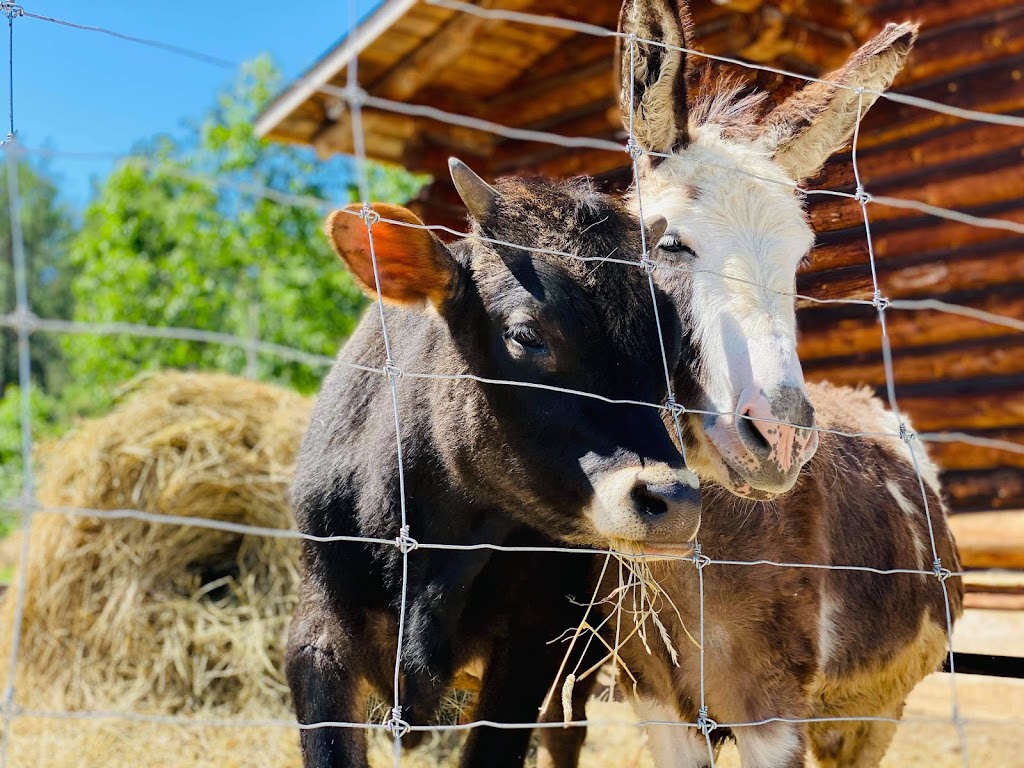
130	615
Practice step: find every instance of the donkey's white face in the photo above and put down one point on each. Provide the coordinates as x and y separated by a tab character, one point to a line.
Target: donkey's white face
743	237
722	175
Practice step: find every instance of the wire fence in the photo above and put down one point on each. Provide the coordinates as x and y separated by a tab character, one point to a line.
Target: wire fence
26	324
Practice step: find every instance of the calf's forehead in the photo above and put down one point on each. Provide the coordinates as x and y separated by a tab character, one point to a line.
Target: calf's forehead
569	267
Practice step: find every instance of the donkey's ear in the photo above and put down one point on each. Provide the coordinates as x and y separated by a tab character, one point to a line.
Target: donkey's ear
413	266
652	78
818	120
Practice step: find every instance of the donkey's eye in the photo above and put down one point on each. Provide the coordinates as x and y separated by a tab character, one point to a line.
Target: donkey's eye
525	336
672	244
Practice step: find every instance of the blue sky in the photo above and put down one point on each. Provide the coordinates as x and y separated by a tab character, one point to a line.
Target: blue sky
79	91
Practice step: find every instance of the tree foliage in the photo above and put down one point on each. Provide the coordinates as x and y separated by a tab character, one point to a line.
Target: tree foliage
46	226
177	239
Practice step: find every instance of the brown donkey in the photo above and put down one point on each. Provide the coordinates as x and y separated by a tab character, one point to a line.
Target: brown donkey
781	644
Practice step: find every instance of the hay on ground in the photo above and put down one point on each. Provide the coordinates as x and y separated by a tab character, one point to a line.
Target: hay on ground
130	615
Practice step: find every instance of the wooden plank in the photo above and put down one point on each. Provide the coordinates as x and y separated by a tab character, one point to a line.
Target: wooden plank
924	275
990	539
963	456
965	410
985	490
964	192
992	602
966	42
443	47
1001	356
855	329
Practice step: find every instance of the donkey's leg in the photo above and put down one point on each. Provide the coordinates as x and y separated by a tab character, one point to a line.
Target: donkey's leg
772	745
851	745
672	746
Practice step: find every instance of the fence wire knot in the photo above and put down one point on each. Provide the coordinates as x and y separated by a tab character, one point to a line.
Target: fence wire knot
879	302
367	214
705	723
675	408
905	434
699	558
938	571
648	263
11	10
634	149
355	96
395	725
22	317
391	370
862	196
406	543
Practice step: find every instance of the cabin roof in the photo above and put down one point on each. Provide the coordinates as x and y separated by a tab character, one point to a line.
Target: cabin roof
953	373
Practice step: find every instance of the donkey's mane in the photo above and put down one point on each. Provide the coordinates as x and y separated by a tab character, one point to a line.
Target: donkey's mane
727	102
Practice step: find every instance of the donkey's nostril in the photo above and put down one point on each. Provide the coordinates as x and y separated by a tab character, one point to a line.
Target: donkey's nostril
648	502
754	432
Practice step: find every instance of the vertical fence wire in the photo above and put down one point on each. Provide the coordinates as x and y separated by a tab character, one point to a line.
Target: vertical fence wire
396	725
22	312
881	304
355	97
704	723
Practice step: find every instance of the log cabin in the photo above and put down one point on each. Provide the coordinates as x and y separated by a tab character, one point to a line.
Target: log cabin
953	374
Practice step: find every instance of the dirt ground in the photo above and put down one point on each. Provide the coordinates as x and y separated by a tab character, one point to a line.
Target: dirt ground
992	708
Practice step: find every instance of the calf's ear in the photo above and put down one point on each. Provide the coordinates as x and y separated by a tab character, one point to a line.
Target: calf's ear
413	266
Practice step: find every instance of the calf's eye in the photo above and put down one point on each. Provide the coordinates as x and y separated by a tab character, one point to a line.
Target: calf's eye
525	336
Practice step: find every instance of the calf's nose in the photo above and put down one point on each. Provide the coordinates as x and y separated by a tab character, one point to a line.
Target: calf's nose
657	498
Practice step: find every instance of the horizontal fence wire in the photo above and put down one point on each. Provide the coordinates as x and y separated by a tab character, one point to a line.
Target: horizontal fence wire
355	96
290	533
25	323
319	204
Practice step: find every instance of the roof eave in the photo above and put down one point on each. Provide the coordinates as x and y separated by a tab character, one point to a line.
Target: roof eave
330	65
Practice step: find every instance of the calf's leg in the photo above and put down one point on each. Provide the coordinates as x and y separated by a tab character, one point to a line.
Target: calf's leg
327	675
325	689
560	747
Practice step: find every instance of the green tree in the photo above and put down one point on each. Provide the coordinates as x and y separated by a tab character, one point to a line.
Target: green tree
46	227
171	240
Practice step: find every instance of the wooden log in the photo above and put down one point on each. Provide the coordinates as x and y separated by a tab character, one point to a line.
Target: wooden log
997	86
545	98
984	490
921	235
922	275
940	152
931	14
966	42
1001	356
964	456
964	410
993	601
965	192
855	329
990	539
